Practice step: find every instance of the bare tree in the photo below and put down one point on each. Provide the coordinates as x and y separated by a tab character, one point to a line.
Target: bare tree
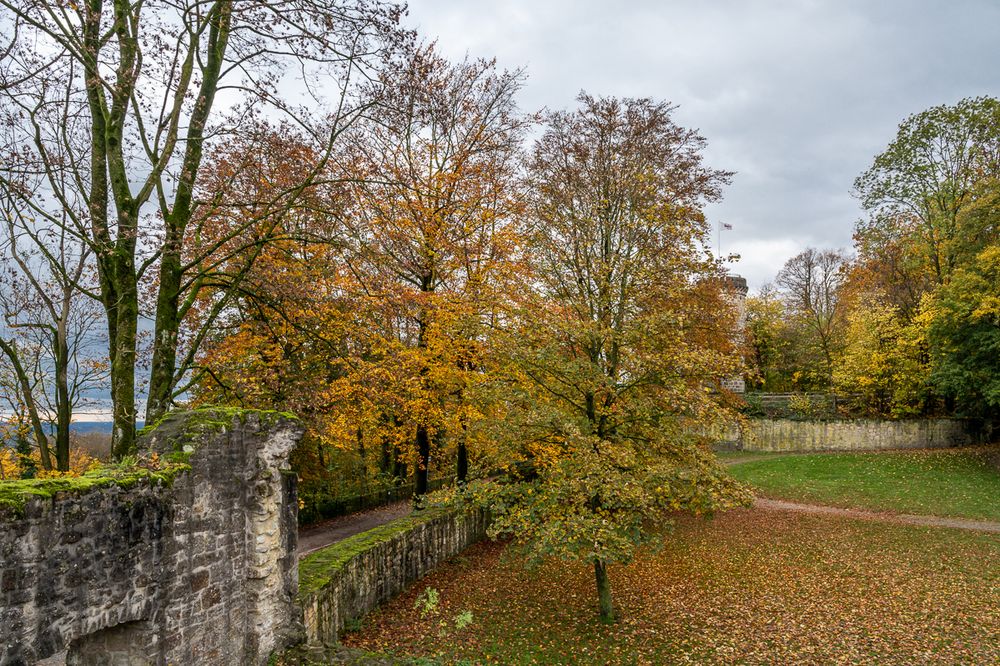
116	102
48	340
810	282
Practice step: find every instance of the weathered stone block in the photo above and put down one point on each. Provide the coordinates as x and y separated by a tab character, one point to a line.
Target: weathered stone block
159	575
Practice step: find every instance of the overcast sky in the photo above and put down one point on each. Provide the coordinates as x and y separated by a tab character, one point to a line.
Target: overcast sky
797	97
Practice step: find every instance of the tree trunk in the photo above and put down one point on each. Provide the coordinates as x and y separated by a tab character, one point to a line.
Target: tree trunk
161	375
398	467
604	591
423	460
168	310
364	459
123	366
385	462
463	463
64	408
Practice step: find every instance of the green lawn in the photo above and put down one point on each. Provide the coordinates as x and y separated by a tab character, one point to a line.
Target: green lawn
750	586
946	482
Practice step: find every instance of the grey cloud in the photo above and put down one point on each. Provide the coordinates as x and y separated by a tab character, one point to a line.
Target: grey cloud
796	96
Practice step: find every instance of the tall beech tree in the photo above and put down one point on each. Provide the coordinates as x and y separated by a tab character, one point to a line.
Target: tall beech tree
431	235
369	314
620	339
116	102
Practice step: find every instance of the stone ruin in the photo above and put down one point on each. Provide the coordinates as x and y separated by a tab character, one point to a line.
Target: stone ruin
200	570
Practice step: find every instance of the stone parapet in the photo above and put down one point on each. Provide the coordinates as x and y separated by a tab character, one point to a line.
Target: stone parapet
196	569
345	581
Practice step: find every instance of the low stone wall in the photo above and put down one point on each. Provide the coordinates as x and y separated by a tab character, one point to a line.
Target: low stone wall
195	568
855	434
347	580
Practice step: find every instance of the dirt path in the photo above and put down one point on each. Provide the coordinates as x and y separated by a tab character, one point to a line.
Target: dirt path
884	516
331	531
337	529
908	519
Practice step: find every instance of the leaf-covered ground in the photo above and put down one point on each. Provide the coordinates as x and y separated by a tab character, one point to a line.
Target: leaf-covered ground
750	587
944	482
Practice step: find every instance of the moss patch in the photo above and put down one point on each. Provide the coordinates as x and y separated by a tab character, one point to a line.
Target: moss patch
317	569
15	494
180	430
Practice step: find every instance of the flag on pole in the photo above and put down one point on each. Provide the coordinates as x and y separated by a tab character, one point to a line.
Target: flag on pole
727	226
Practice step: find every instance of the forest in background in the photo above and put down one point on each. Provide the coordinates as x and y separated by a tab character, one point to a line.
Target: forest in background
905	324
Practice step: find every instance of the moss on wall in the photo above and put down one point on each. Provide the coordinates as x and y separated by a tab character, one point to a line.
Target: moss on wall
180	429
15	494
318	568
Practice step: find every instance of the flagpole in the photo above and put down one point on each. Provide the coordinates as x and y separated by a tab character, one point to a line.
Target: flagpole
718	243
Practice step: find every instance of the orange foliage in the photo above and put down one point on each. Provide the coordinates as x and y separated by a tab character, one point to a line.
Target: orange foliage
367	314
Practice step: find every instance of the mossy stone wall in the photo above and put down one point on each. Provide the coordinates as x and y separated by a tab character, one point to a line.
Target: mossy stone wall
198	568
345	581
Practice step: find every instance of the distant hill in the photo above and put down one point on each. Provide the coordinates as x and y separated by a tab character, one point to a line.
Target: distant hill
95	427
102	427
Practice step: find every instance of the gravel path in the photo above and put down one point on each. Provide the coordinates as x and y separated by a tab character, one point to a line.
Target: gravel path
330	531
908	519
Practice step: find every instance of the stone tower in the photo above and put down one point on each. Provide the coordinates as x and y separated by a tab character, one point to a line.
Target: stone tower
738	293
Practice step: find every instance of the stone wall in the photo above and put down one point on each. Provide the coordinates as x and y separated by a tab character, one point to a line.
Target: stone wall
348	579
198	571
855	435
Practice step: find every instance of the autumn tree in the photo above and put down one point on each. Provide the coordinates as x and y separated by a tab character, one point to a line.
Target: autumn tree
932	203
882	360
368	312
769	342
297	326
115	104
620	339
431	236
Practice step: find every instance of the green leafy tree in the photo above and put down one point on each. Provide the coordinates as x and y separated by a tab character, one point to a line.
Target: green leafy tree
933	204
768	341
963	329
918	188
617	340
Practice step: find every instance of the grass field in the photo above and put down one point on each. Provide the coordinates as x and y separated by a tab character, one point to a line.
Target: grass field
751	586
945	482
